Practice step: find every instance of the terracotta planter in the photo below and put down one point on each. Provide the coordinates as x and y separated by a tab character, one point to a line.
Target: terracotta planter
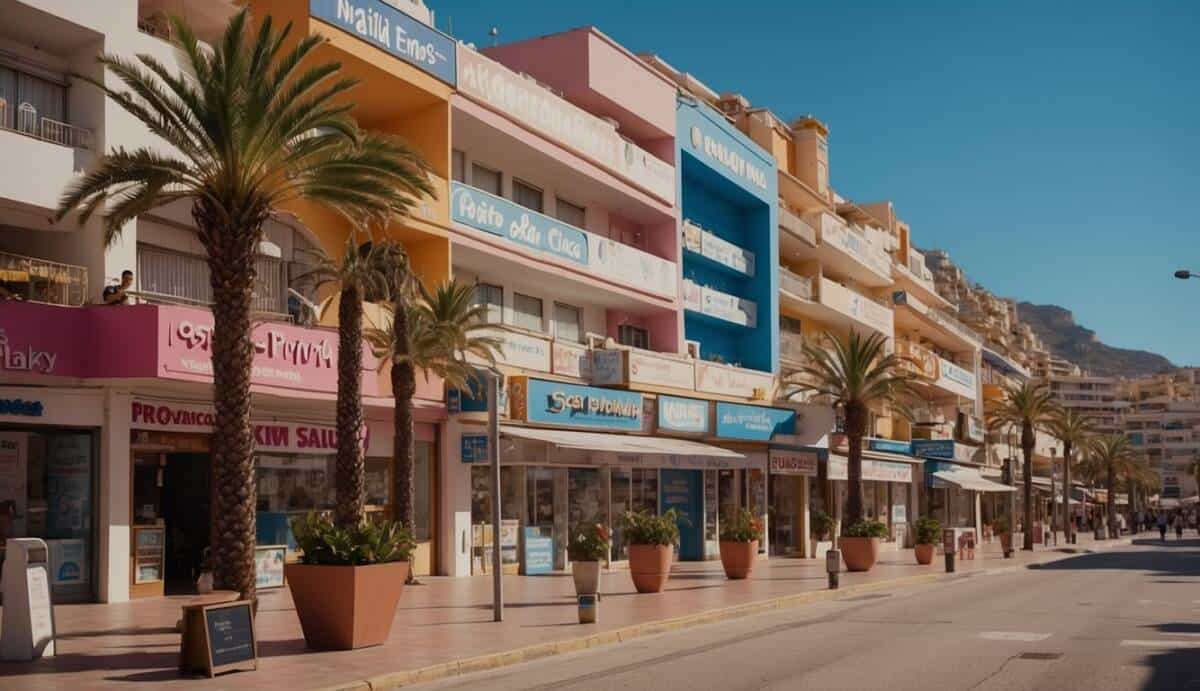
650	565
924	554
1006	542
587	577
738	558
346	607
859	553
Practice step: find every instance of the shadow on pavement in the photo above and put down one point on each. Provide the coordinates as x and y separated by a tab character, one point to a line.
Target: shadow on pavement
1175	558
1173	669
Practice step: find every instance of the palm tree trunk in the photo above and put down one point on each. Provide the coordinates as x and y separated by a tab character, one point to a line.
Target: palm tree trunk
1027	442
351	470
1068	527
1111	512
231	276
404	387
856	428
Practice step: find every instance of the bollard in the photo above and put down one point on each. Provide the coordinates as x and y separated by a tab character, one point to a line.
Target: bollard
950	562
589	606
833	566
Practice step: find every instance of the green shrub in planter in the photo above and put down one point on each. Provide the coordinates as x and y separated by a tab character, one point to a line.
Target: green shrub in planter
323	542
928	530
644	528
866	528
999	526
589	543
741	525
822	525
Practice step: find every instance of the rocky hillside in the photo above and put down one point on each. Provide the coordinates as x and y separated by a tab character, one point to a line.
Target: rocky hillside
1057	328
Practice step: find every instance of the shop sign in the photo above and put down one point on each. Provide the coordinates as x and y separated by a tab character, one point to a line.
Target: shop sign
942	448
19	406
971	428
754	423
637	367
788	462
683	415
724	151
890	446
571	359
522	350
899	513
879	471
68	561
558	403
956	379
282	437
526	102
473	448
498	216
539	552
725	380
631	267
474	399
25	358
387	28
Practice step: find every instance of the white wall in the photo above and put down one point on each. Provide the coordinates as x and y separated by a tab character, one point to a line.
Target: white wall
594	315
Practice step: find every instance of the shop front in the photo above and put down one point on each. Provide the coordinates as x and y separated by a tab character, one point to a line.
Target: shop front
793	482
889	492
957	495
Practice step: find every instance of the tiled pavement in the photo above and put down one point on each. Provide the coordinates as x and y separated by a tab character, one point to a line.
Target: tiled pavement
441	621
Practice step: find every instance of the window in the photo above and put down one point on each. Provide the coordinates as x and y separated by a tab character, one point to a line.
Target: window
568	322
491	297
45	99
486	179
569	213
527	195
527	312
633	336
458	166
789	324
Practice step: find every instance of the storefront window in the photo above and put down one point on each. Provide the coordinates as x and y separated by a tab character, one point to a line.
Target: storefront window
645	490
710	506
423	489
727	497
619	503
585	498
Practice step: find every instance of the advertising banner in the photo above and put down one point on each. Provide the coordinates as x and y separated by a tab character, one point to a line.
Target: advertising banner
684	415
394	32
753	423
573	405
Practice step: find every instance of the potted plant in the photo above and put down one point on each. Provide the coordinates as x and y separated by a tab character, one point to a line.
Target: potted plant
1000	527
740	532
860	544
651	539
348	582
928	530
822	533
588	547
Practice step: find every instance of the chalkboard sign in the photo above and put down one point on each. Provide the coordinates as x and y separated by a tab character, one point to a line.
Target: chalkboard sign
229	636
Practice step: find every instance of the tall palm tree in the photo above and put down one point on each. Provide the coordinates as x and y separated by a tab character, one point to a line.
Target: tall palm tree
250	126
1114	454
1074	431
434	332
855	374
361	275
1029	407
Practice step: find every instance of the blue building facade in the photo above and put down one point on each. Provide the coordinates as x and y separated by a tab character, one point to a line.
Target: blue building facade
729	211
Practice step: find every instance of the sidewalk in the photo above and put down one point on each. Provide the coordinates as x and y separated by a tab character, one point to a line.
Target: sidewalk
445	626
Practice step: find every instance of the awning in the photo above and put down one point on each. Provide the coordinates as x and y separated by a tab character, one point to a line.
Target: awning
967	478
889	456
617	443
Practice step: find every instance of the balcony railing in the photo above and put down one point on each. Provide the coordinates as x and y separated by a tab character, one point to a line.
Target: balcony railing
792	223
40	280
795	284
856	305
173	278
834	231
919	359
47	129
791	347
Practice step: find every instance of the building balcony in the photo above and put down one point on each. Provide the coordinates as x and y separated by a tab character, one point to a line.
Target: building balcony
848	252
24	119
795	229
717	252
41	280
718	306
918	359
791	348
956	379
794	288
915	314
47	165
858	308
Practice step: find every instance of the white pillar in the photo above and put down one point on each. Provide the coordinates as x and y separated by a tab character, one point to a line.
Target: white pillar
115	487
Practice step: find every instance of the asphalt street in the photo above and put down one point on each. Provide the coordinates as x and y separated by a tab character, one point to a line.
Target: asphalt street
1126	618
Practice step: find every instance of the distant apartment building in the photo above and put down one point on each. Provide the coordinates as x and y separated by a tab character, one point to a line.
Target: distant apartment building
1163	424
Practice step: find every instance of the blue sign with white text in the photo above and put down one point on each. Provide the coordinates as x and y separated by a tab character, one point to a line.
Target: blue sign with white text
933	448
890	446
539	552
706	135
686	415
394	32
752	422
474	448
557	403
19	406
498	216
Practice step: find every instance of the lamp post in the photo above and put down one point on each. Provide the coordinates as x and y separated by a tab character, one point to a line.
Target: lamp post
1053	499
493	447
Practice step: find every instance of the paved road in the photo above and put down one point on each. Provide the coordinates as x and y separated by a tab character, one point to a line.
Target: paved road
1128	618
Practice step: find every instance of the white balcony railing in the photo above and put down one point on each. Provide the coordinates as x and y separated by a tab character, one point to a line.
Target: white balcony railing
28	123
794	284
41	280
792	223
856	306
791	347
835	232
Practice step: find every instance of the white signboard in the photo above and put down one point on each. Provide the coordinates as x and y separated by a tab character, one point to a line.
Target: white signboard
882	471
632	267
721	379
956	379
571	359
726	253
525	101
522	350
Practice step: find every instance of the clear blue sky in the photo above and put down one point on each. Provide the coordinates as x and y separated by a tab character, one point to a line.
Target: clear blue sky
1051	147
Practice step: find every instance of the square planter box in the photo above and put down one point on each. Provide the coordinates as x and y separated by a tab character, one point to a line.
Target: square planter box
346	607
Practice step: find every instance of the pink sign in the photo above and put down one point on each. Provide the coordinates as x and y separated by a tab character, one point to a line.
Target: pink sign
283	437
786	462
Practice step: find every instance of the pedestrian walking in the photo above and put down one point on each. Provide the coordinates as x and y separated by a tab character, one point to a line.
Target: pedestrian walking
1162	526
1178	527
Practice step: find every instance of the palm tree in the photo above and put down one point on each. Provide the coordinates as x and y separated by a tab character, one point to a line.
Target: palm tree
1074	431
855	374
434	332
250	126
360	276
1029	407
1114	454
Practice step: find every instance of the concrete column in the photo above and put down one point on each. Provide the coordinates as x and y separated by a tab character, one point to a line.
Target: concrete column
116	474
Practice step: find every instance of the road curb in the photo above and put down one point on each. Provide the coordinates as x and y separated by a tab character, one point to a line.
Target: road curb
491	661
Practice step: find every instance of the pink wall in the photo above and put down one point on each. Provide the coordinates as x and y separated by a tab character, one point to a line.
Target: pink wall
666	330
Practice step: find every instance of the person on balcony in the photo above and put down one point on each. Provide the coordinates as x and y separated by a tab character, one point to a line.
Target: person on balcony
119	294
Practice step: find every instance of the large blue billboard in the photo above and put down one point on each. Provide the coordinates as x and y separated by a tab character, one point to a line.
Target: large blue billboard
753	422
394	32
559	403
498	216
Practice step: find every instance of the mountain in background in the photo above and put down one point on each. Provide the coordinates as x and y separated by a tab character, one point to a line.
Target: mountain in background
1066	339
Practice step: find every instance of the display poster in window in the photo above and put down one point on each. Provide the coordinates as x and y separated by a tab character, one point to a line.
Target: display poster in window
148	555
68	561
68	471
268	565
14	475
510	532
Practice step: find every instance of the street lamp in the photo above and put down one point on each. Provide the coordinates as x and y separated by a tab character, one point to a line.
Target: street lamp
1184	274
